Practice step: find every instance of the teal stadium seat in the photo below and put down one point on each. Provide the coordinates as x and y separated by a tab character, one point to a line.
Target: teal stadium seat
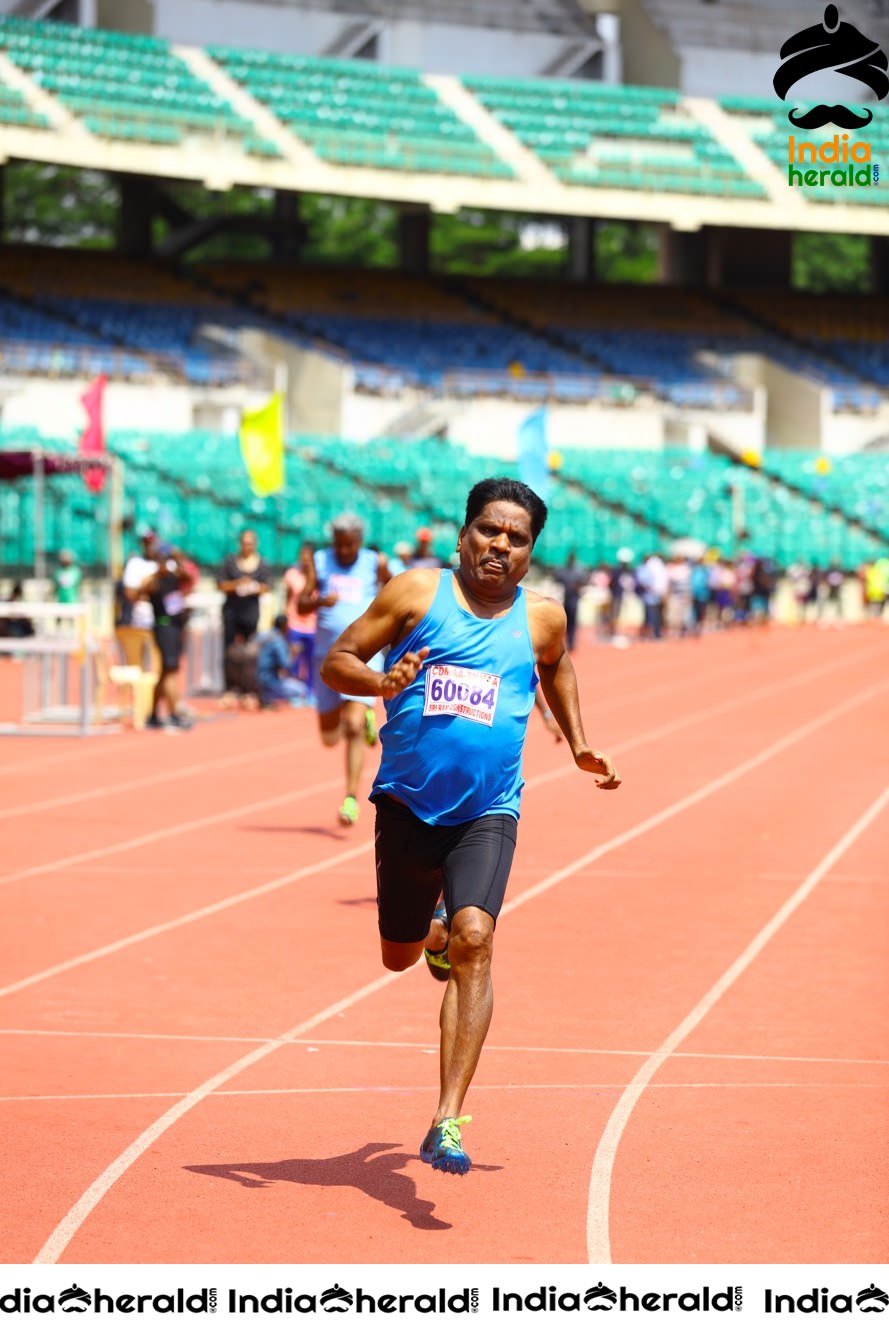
614	137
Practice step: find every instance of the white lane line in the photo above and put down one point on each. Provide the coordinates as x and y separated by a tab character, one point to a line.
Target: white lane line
64	1233
269	886
135	784
701	794
598	1236
402	1089
66	1230
604	682
354	1043
127	744
551	775
172	830
620	748
188	918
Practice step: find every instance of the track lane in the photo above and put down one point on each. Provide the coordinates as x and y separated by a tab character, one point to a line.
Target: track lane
480	1172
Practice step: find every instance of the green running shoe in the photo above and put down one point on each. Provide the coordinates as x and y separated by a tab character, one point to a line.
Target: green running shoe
438	963
348	811
370	726
443	1149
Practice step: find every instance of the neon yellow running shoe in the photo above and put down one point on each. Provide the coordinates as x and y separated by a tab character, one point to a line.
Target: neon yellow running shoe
438	963
443	1148
370	726
348	811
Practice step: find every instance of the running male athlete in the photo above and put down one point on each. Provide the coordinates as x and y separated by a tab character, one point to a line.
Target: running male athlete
341	581
464	651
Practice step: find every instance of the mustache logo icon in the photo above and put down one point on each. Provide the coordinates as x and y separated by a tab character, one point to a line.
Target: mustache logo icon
838	46
820	115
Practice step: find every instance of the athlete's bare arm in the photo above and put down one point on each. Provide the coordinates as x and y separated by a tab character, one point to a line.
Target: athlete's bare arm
547	622
397	608
310	597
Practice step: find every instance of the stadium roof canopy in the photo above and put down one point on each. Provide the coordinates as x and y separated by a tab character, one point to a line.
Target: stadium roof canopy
755	25
561	18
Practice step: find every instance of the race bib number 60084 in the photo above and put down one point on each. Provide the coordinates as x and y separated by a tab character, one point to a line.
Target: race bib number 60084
461	692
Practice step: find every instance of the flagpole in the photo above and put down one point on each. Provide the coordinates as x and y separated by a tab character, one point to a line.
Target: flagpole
115	518
39	517
282	385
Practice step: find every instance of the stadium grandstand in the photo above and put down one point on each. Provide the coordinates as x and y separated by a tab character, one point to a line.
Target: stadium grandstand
419	224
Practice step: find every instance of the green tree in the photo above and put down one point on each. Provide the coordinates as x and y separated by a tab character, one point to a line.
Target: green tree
626	252
241	201
47	204
479	242
829	262
362	232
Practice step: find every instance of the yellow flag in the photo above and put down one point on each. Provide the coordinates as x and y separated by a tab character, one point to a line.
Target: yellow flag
262	446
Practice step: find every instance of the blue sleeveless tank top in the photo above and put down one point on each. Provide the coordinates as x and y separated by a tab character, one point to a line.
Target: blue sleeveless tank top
355	586
452	741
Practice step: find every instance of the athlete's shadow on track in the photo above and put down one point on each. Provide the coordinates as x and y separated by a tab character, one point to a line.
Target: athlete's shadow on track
373	1169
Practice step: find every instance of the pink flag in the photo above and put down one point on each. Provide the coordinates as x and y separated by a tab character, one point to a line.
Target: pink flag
92	441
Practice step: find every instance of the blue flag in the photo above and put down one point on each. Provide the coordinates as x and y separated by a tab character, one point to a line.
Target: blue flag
531	453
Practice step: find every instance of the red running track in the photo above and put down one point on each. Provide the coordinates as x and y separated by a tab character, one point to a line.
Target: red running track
205	1063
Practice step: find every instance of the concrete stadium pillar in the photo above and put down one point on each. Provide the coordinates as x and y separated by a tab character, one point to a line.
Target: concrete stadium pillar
135	216
413	238
879	264
582	249
685	257
289	230
744	258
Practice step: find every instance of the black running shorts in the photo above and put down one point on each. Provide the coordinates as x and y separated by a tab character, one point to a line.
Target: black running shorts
416	862
169	641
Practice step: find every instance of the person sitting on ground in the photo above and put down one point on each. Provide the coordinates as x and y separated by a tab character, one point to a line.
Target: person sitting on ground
276	683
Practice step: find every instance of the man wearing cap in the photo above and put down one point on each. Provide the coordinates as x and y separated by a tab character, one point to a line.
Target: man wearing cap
423	556
341	582
135	633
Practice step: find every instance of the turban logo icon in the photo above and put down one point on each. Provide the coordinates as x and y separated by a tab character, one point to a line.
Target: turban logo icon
842	48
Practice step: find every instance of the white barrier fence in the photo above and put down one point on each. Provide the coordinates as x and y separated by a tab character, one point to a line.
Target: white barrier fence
65	665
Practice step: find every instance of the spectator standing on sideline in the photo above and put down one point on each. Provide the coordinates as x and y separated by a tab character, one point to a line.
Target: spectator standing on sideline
722	584
67	579
342	581
301	629
875	581
464	649
573	578
245	577
678	611
135	634
273	674
654	584
399	560
13	626
763	590
699	587
622	583
166	589
423	556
